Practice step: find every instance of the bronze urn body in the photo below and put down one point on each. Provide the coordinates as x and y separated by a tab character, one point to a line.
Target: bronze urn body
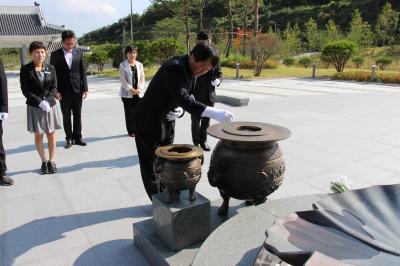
178	167
247	162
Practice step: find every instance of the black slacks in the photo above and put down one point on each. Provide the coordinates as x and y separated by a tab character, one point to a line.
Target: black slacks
3	166
199	129
146	148
129	106
72	103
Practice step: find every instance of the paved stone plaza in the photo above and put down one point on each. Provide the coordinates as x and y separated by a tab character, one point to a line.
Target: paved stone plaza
83	215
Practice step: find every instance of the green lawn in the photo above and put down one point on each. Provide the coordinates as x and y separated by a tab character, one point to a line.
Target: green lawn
281	72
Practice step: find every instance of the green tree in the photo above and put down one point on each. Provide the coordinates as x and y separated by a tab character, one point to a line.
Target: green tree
168	28
360	32
332	32
387	26
305	61
291	44
338	53
164	49
383	62
263	47
98	57
358	60
313	36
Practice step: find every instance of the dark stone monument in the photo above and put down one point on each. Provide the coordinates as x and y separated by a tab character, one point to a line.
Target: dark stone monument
357	227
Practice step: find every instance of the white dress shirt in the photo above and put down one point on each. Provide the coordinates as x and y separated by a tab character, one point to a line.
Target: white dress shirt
68	58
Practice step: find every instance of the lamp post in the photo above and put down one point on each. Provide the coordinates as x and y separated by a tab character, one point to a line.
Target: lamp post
131	23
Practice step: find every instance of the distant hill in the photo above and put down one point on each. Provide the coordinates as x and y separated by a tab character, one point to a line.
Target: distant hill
279	11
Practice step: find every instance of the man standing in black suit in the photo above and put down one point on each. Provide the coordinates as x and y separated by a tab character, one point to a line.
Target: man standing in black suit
4	180
204	92
71	86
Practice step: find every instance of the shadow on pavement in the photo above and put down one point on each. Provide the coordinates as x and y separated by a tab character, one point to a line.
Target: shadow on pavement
121	162
60	143
121	252
43	231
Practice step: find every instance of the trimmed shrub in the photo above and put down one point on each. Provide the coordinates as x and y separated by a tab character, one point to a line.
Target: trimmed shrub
358	60
249	64
384	62
289	61
365	76
338	53
305	61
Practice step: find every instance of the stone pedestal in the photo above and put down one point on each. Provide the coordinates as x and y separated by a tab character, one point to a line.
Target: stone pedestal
181	223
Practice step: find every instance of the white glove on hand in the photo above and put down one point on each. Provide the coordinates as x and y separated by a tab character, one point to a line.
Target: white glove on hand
217	114
215	82
45	106
172	115
3	116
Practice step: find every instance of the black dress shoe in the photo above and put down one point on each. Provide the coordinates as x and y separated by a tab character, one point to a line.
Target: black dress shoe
80	142
51	167
68	144
205	147
6	181
44	169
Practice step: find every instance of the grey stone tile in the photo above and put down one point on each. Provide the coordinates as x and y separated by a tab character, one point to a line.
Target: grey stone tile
297	188
366	173
384	162
24	210
323	181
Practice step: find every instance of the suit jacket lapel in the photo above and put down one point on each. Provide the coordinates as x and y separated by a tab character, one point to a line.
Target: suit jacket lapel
35	76
74	57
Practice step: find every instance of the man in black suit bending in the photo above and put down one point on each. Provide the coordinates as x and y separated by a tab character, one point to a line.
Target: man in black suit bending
71	86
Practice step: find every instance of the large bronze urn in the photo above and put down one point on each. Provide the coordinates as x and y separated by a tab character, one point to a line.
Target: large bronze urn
247	162
178	167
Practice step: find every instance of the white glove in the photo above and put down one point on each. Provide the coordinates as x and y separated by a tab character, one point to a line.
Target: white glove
192	97
217	114
3	116
172	115
215	82
45	106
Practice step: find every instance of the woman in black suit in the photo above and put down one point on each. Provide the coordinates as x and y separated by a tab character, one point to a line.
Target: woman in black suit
39	86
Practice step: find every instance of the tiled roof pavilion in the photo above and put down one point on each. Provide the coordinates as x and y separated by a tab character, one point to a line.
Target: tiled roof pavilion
21	25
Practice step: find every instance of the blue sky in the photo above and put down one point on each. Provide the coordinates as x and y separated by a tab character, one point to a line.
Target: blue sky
83	15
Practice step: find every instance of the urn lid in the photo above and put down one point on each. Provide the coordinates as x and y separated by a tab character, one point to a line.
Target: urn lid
179	152
248	132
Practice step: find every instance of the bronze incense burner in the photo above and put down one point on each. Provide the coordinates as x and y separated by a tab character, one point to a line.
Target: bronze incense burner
247	162
178	167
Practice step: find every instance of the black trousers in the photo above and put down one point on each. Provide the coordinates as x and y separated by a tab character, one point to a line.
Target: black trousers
72	103
146	148
3	166
129	106
199	129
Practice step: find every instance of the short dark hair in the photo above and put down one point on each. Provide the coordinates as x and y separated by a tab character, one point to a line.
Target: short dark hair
36	45
202	36
67	34
205	50
129	49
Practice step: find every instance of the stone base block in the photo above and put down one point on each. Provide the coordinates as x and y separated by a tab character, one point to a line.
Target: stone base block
234	101
158	253
181	223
